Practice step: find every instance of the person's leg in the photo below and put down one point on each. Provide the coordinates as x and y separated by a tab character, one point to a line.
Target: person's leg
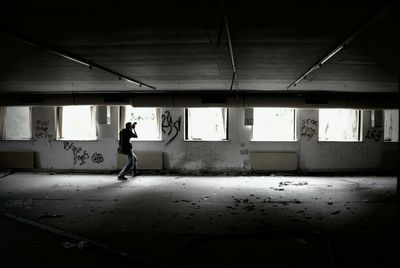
127	167
135	169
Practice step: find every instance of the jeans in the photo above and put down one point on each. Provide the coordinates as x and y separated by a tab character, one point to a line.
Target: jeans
132	163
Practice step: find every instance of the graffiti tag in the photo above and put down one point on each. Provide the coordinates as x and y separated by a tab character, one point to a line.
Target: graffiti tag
80	156
308	128
374	134
42	131
168	124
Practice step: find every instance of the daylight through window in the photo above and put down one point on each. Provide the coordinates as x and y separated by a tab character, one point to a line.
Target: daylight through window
206	124
391	125
148	121
17	123
274	124
78	123
339	125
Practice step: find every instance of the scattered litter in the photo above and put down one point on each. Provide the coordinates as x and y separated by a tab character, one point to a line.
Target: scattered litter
80	245
336	212
294	201
277	189
48	215
286	183
330	203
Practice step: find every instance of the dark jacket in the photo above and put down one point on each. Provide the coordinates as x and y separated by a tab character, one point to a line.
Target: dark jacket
124	140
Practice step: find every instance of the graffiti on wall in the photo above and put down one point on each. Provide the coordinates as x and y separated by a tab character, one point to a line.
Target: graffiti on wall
80	156
41	131
308	128
97	158
169	126
374	134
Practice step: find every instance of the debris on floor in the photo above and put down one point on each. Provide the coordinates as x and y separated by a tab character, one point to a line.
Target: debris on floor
286	183
47	215
277	189
79	245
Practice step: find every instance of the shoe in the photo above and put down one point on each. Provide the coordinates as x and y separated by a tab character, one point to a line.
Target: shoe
122	178
134	174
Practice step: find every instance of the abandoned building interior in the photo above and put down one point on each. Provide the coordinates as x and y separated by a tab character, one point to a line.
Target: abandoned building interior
267	133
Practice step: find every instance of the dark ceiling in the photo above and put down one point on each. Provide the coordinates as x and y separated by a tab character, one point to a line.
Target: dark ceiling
183	45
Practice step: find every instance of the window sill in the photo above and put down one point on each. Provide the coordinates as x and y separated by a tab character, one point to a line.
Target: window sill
76	140
136	140
273	141
17	140
340	141
206	140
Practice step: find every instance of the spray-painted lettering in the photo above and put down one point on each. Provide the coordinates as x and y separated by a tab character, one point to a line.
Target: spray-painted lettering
168	124
308	128
41	131
80	155
374	134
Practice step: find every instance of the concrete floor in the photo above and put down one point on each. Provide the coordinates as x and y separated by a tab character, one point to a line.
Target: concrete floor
260	221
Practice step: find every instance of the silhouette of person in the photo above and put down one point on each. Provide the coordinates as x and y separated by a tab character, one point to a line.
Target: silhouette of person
125	147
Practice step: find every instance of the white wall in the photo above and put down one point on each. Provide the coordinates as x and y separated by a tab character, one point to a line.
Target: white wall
197	155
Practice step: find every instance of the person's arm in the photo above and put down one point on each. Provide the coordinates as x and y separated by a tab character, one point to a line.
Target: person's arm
134	133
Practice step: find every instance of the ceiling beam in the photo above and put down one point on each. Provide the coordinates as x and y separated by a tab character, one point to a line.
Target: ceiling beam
229	99
370	21
228	35
71	57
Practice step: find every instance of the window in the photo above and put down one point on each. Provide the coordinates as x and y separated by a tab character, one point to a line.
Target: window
148	121
16	123
206	124
77	123
391	125
274	124
339	125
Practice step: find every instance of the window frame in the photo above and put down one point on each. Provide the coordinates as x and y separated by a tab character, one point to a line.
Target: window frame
295	128
186	138
384	126
3	132
359	132
59	118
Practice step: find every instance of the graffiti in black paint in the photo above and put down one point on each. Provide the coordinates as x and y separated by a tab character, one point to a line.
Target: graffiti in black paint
374	134
97	158
169	126
308	128
80	156
42	131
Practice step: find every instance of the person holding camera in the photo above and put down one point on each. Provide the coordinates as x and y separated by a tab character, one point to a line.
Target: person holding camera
125	147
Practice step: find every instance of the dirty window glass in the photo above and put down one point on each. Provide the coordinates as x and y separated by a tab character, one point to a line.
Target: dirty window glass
391	125
274	124
339	125
206	124
148	122
17	123
78	123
